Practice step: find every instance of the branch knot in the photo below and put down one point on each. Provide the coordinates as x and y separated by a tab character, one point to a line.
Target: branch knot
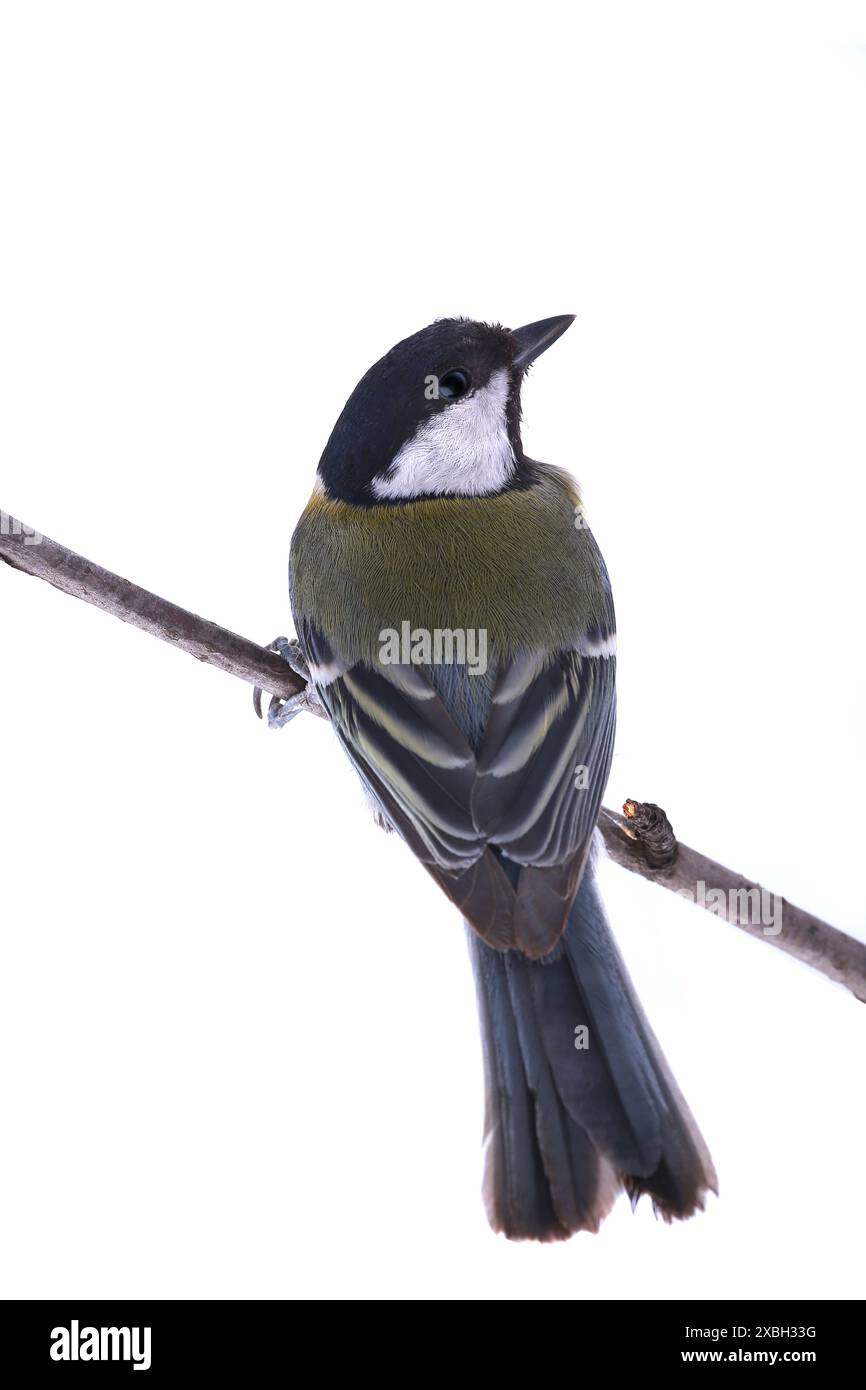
654	832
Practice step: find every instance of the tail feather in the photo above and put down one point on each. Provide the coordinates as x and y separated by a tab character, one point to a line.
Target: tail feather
567	1128
515	1185
573	1166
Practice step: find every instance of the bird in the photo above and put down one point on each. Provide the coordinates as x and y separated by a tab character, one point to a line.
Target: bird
455	624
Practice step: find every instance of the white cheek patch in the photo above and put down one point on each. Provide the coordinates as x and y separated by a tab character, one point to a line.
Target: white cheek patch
464	449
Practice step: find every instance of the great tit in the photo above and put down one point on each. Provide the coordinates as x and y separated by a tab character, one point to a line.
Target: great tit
455	622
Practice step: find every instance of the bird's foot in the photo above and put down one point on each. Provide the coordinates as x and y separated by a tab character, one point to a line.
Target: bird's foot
282	712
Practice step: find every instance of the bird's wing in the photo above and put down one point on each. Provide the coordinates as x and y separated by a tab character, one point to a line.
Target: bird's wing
417	765
524	798
542	769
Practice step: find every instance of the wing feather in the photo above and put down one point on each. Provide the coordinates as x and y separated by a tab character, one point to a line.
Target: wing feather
505	828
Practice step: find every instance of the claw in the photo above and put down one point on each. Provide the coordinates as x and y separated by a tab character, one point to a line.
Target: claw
282	712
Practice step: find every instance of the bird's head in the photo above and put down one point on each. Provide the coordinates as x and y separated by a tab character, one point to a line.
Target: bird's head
438	415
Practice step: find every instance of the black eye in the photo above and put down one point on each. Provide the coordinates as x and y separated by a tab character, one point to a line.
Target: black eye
454	384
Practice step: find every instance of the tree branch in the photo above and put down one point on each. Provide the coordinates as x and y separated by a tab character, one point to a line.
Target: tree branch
641	841
30	551
765	915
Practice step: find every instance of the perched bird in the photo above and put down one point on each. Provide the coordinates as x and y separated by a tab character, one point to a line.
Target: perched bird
455	622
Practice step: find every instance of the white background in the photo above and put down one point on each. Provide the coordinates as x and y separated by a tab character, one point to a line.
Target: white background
237	1026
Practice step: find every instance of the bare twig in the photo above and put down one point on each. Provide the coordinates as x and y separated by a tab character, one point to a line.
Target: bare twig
28	550
641	841
767	916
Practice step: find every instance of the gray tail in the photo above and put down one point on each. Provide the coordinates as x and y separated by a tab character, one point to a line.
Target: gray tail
572	1116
